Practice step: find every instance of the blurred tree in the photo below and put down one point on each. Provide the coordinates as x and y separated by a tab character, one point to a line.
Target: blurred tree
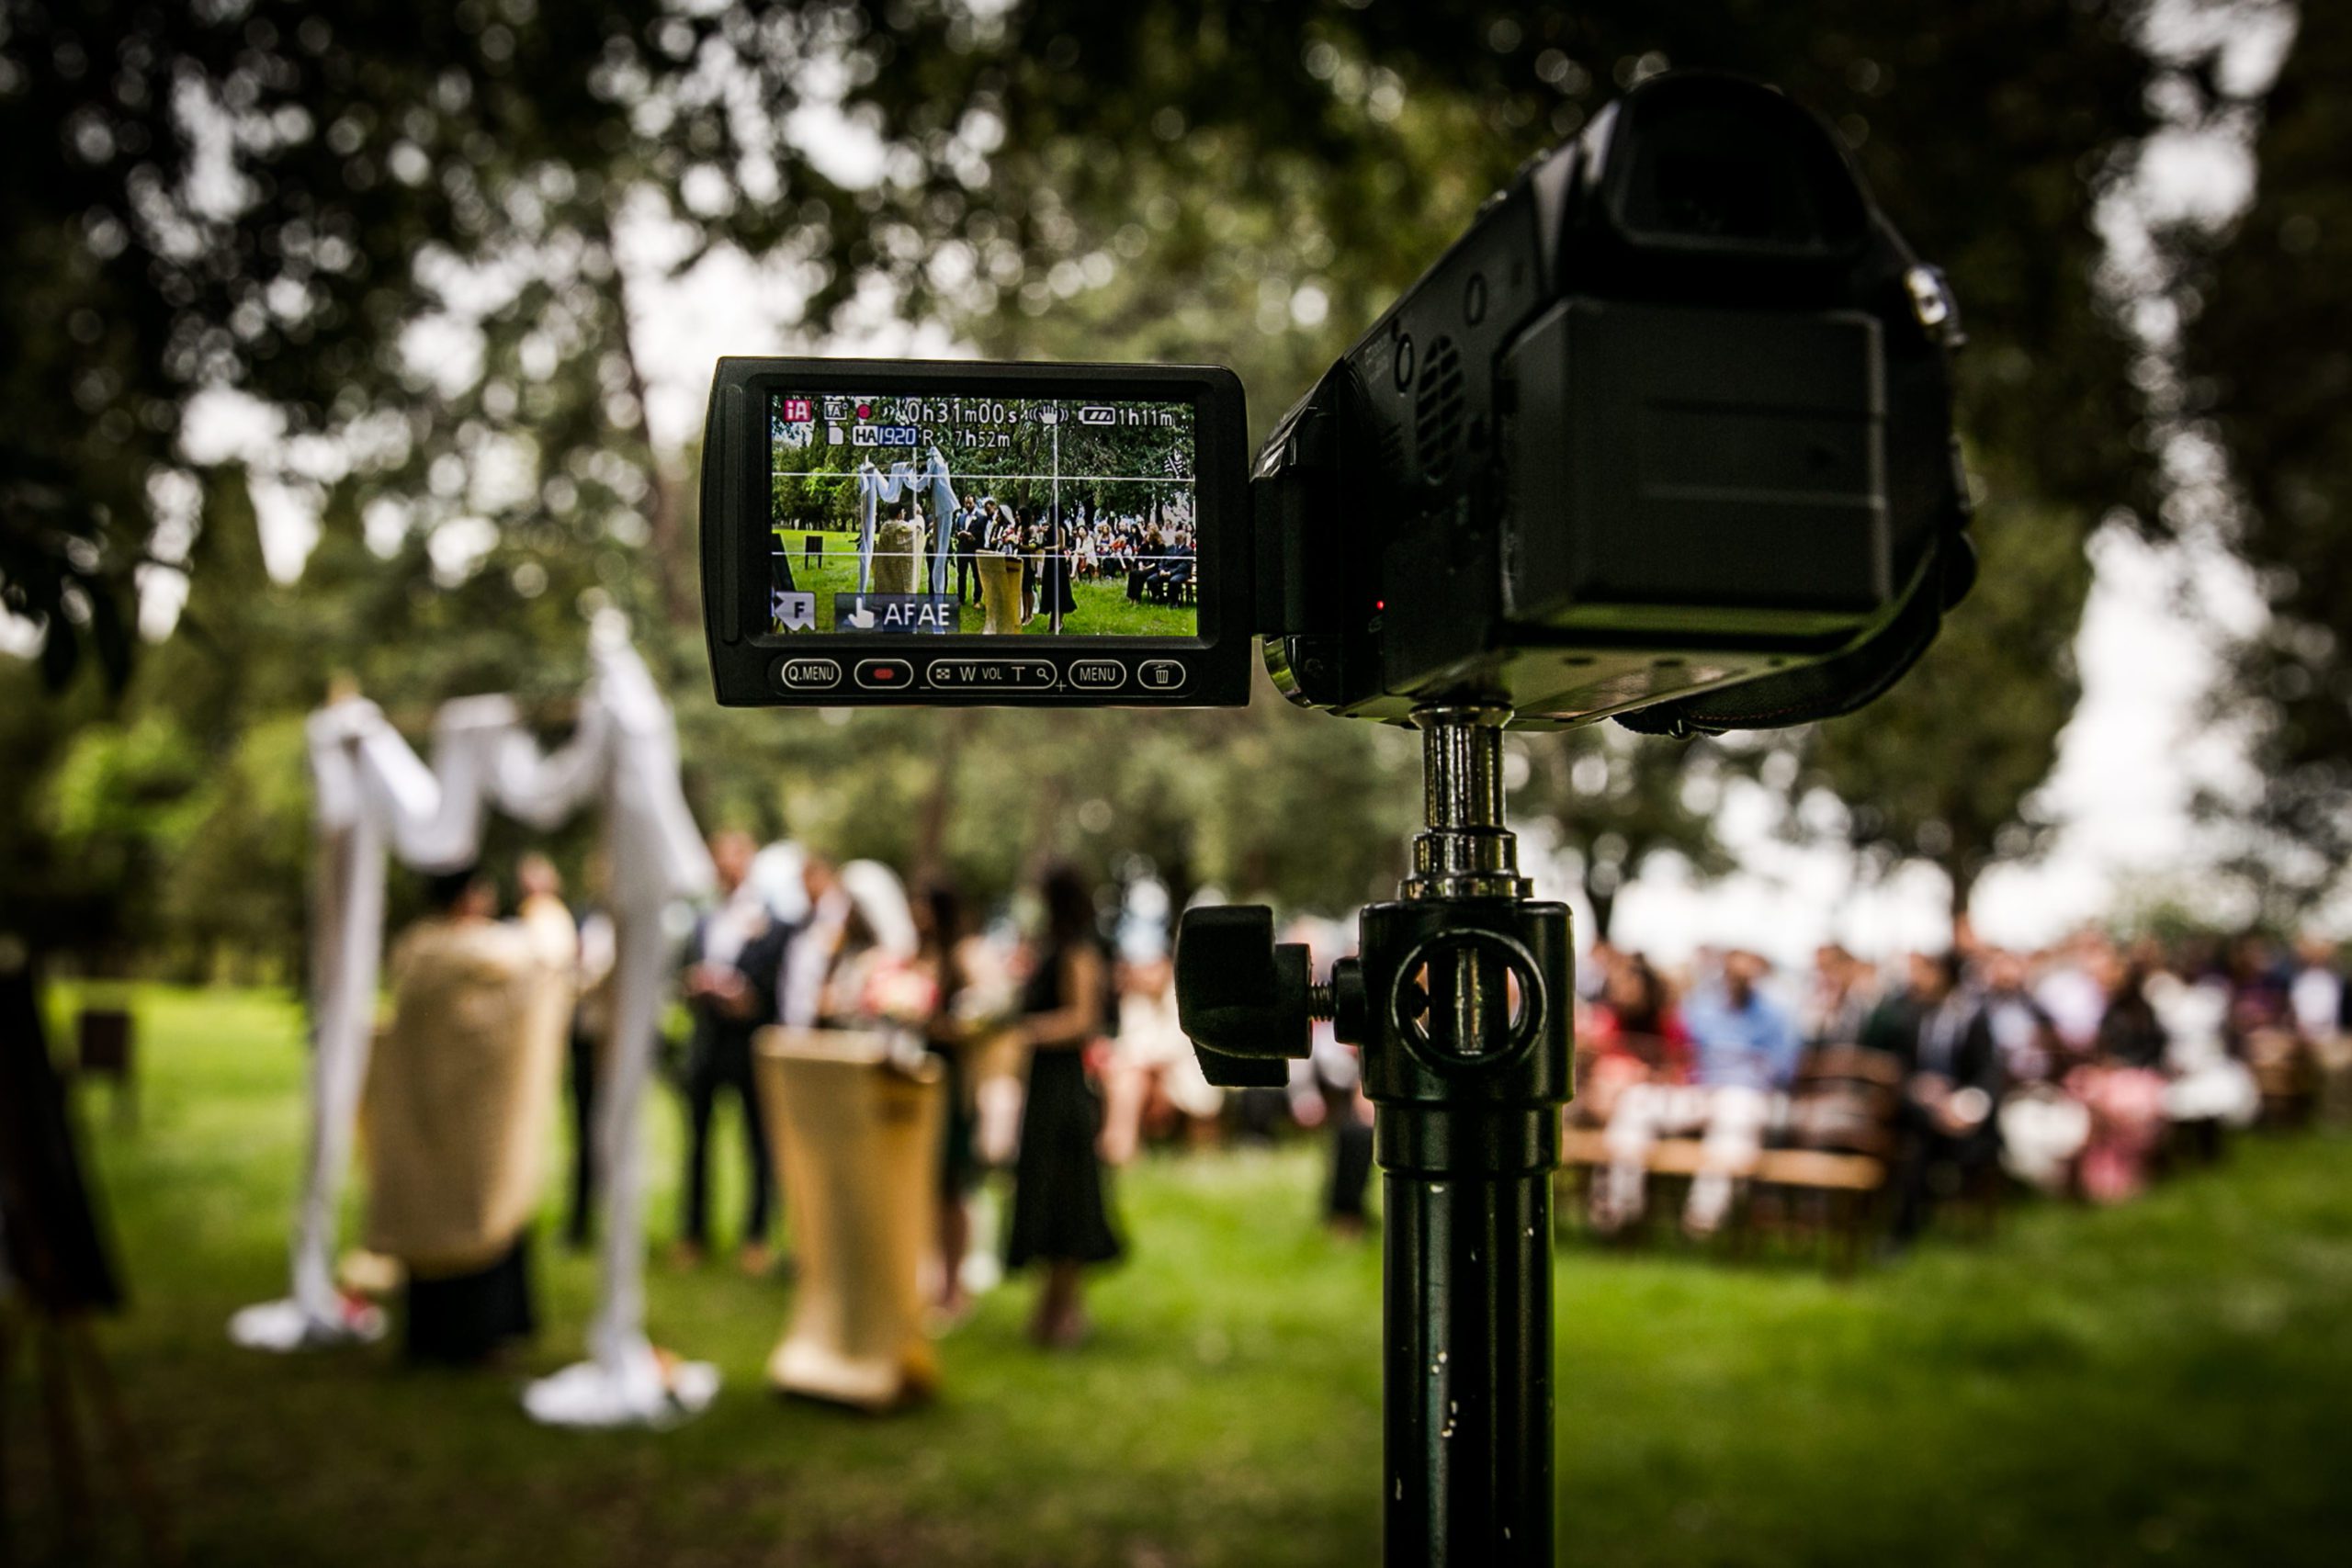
1616	801
278	197
404	231
1266	177
1943	768
2268	362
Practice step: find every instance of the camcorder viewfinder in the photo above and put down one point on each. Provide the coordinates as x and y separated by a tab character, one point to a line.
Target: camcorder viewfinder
1666	435
943	533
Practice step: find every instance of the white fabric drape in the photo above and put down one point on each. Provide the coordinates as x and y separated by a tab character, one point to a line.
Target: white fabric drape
932	485
374	797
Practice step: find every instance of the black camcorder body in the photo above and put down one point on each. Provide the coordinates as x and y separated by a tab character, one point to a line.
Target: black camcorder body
1669	429
1666	435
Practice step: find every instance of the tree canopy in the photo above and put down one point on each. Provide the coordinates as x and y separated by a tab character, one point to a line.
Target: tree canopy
2267	351
403	233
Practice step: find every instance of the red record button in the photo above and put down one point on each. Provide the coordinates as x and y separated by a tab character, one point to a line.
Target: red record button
885	675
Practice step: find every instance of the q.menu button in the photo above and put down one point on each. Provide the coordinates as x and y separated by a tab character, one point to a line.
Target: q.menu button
808	675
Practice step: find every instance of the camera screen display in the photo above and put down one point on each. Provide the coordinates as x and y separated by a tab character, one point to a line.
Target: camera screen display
980	516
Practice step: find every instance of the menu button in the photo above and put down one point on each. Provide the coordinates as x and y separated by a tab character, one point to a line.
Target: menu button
1098	674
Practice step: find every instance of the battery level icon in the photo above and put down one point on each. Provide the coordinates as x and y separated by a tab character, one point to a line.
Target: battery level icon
1098	413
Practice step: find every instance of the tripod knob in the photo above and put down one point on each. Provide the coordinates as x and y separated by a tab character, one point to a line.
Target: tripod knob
1243	1001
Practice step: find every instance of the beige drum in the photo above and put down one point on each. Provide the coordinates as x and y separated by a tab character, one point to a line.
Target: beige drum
856	1144
1000	592
897	552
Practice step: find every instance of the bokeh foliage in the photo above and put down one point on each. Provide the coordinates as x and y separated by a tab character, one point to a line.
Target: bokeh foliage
402	231
2266	350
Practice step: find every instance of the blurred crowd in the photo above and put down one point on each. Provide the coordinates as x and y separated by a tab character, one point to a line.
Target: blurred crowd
2079	1069
1051	1026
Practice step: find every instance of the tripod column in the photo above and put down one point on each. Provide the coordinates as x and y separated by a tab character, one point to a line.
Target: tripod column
1464	1018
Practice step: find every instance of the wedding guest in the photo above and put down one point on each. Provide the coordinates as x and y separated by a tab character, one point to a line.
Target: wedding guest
731	965
1952	1081
1746	1050
1061	1214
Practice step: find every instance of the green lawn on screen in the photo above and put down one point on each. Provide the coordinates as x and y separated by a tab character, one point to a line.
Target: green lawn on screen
1103	609
2163	1384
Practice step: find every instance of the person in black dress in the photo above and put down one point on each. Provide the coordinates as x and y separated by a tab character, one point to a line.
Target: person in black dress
1061	1215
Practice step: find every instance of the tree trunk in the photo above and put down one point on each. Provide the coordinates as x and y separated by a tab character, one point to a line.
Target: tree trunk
1045	829
1604	908
664	530
939	803
1961	870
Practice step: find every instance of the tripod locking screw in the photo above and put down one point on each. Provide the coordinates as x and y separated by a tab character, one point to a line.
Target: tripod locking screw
1246	1002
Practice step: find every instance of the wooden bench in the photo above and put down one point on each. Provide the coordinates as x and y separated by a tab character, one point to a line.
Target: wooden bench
2286	1071
1841	1111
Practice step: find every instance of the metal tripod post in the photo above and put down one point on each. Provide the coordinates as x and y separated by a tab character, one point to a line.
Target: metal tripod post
1466	1035
1459	995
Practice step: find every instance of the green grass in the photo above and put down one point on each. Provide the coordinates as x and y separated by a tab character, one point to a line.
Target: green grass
1102	607
2170	1383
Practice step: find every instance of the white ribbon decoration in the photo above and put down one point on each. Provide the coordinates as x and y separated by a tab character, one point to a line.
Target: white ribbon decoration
931	484
373	795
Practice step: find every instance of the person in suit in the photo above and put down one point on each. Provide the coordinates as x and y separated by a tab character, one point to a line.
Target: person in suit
733	962
1938	1029
1176	571
964	538
1141	563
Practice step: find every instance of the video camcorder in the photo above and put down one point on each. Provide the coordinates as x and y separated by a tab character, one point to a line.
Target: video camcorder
1666	435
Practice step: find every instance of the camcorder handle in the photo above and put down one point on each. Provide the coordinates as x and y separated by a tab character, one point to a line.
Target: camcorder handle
1460	999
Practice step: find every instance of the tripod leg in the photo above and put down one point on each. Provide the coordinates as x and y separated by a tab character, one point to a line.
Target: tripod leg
146	1502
